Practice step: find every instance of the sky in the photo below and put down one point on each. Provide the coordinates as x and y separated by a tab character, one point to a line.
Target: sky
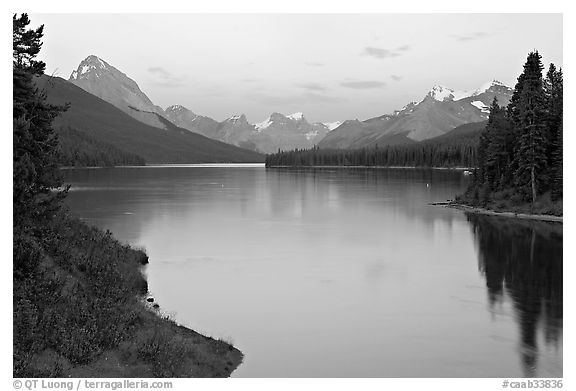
331	67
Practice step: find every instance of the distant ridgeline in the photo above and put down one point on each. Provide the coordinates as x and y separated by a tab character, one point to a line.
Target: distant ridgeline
457	148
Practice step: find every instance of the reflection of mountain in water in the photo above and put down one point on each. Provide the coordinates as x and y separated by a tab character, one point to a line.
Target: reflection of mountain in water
523	260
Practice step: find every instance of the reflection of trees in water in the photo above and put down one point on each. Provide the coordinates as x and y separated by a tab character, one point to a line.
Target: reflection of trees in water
524	260
403	190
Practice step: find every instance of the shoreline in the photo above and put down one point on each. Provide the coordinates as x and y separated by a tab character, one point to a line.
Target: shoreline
129	333
489	212
169	165
404	167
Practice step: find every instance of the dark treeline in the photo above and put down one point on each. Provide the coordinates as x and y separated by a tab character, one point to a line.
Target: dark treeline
77	291
422	154
520	150
79	149
522	262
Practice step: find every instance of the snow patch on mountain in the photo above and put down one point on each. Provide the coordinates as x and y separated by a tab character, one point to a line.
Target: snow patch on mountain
441	93
311	134
260	126
91	63
480	105
234	118
332	125
296	116
486	86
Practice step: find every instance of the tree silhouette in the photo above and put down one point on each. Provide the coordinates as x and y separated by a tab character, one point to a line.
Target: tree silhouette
35	172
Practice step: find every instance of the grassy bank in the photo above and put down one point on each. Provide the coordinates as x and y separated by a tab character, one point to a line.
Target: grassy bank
80	311
489	212
508	203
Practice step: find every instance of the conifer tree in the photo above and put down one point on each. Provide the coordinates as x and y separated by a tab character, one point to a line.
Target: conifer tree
530	113
495	160
553	87
35	173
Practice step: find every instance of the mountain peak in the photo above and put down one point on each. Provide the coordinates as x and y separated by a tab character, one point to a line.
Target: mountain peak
91	64
489	86
99	78
296	116
442	93
237	118
176	108
280	119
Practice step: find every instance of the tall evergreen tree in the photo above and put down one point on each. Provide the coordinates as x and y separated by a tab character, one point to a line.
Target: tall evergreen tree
553	87
497	158
556	163
531	123
35	173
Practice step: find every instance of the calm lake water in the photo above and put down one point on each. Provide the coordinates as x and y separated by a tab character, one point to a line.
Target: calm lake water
339	272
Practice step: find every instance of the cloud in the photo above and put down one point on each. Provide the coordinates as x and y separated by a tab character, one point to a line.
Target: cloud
322	98
315	64
273	99
381	53
298	99
159	71
395	77
313	86
249	80
470	37
363	85
164	78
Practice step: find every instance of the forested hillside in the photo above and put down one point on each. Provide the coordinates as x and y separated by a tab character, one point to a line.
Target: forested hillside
77	149
457	148
104	122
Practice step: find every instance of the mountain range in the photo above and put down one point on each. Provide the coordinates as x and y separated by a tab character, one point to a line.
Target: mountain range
440	111
98	121
144	124
103	80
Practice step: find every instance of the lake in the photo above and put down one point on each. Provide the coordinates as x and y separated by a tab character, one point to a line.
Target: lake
339	272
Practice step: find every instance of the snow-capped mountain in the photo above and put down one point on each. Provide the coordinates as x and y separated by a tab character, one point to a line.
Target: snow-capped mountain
99	78
285	132
441	110
278	131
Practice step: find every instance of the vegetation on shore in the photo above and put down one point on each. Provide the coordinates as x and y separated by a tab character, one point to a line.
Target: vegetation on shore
79	308
80	311
520	150
514	212
450	151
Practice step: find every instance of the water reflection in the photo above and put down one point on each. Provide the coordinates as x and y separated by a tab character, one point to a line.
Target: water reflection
337	272
523	260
